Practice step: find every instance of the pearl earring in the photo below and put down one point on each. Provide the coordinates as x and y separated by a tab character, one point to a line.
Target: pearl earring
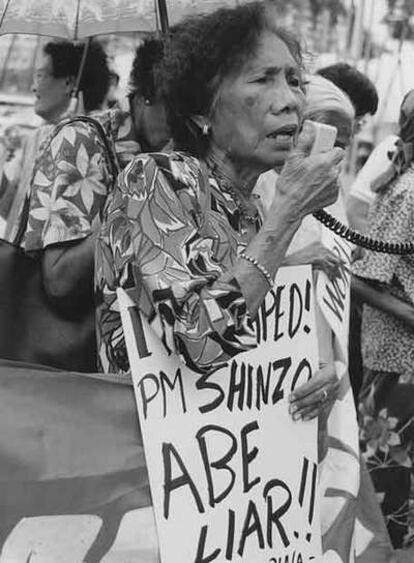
206	129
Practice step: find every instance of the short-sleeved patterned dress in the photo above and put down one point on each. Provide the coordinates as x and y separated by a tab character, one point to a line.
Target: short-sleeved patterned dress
387	394
72	178
170	238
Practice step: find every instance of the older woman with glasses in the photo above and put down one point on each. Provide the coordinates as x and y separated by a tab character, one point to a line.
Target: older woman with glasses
75	170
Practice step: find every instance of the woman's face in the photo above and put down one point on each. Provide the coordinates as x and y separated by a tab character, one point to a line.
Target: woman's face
257	112
344	125
52	94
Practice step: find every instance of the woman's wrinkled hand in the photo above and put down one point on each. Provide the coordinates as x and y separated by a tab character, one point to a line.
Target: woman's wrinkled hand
309	182
320	258
312	398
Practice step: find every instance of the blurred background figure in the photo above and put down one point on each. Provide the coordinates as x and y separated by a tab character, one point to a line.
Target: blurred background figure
325	103
358	202
76	168
360	195
112	97
386	284
57	74
358	87
55	79
364	97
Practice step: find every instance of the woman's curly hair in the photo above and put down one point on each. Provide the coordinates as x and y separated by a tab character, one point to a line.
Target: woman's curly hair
143	76
203	50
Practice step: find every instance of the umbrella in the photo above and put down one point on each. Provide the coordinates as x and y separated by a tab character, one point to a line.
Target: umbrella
77	19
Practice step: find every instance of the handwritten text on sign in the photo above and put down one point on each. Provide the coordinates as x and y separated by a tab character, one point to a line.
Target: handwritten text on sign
333	295
233	478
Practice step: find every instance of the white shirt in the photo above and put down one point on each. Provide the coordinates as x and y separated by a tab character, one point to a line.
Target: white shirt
377	163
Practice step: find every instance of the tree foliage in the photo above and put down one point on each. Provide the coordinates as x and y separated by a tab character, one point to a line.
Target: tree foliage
336	9
400	18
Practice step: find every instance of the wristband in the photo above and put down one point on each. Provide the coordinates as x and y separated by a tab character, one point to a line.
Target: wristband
259	266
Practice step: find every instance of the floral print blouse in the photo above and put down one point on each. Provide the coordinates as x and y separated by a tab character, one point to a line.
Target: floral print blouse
387	343
72	178
170	237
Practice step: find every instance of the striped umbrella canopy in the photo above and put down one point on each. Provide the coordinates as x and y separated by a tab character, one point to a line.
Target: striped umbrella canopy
77	19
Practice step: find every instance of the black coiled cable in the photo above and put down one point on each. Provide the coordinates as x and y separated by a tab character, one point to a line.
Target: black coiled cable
362	240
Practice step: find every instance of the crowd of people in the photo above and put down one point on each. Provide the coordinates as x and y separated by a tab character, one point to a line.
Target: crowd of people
196	188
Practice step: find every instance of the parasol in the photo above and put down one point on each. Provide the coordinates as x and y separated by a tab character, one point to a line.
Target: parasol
83	19
79	19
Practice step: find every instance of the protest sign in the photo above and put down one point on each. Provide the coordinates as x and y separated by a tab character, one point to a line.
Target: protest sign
339	470
233	477
333	295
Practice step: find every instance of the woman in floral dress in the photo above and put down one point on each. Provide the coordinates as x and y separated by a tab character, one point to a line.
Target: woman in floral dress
387	394
182	232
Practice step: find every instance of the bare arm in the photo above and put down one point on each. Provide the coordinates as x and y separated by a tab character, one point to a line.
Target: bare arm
383	300
318	256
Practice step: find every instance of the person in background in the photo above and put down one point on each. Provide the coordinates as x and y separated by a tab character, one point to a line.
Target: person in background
56	76
75	172
364	97
112	98
84	178
358	87
385	284
360	196
325	103
55	79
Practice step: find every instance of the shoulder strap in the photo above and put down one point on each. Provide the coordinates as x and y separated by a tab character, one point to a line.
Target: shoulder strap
24	217
113	162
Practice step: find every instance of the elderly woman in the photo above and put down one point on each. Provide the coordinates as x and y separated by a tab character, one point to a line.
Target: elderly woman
75	170
45	199
54	81
182	232
385	283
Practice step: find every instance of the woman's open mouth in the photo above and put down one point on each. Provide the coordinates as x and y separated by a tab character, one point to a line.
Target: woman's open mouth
284	135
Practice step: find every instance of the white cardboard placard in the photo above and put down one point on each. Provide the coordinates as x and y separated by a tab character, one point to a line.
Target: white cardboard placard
233	477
